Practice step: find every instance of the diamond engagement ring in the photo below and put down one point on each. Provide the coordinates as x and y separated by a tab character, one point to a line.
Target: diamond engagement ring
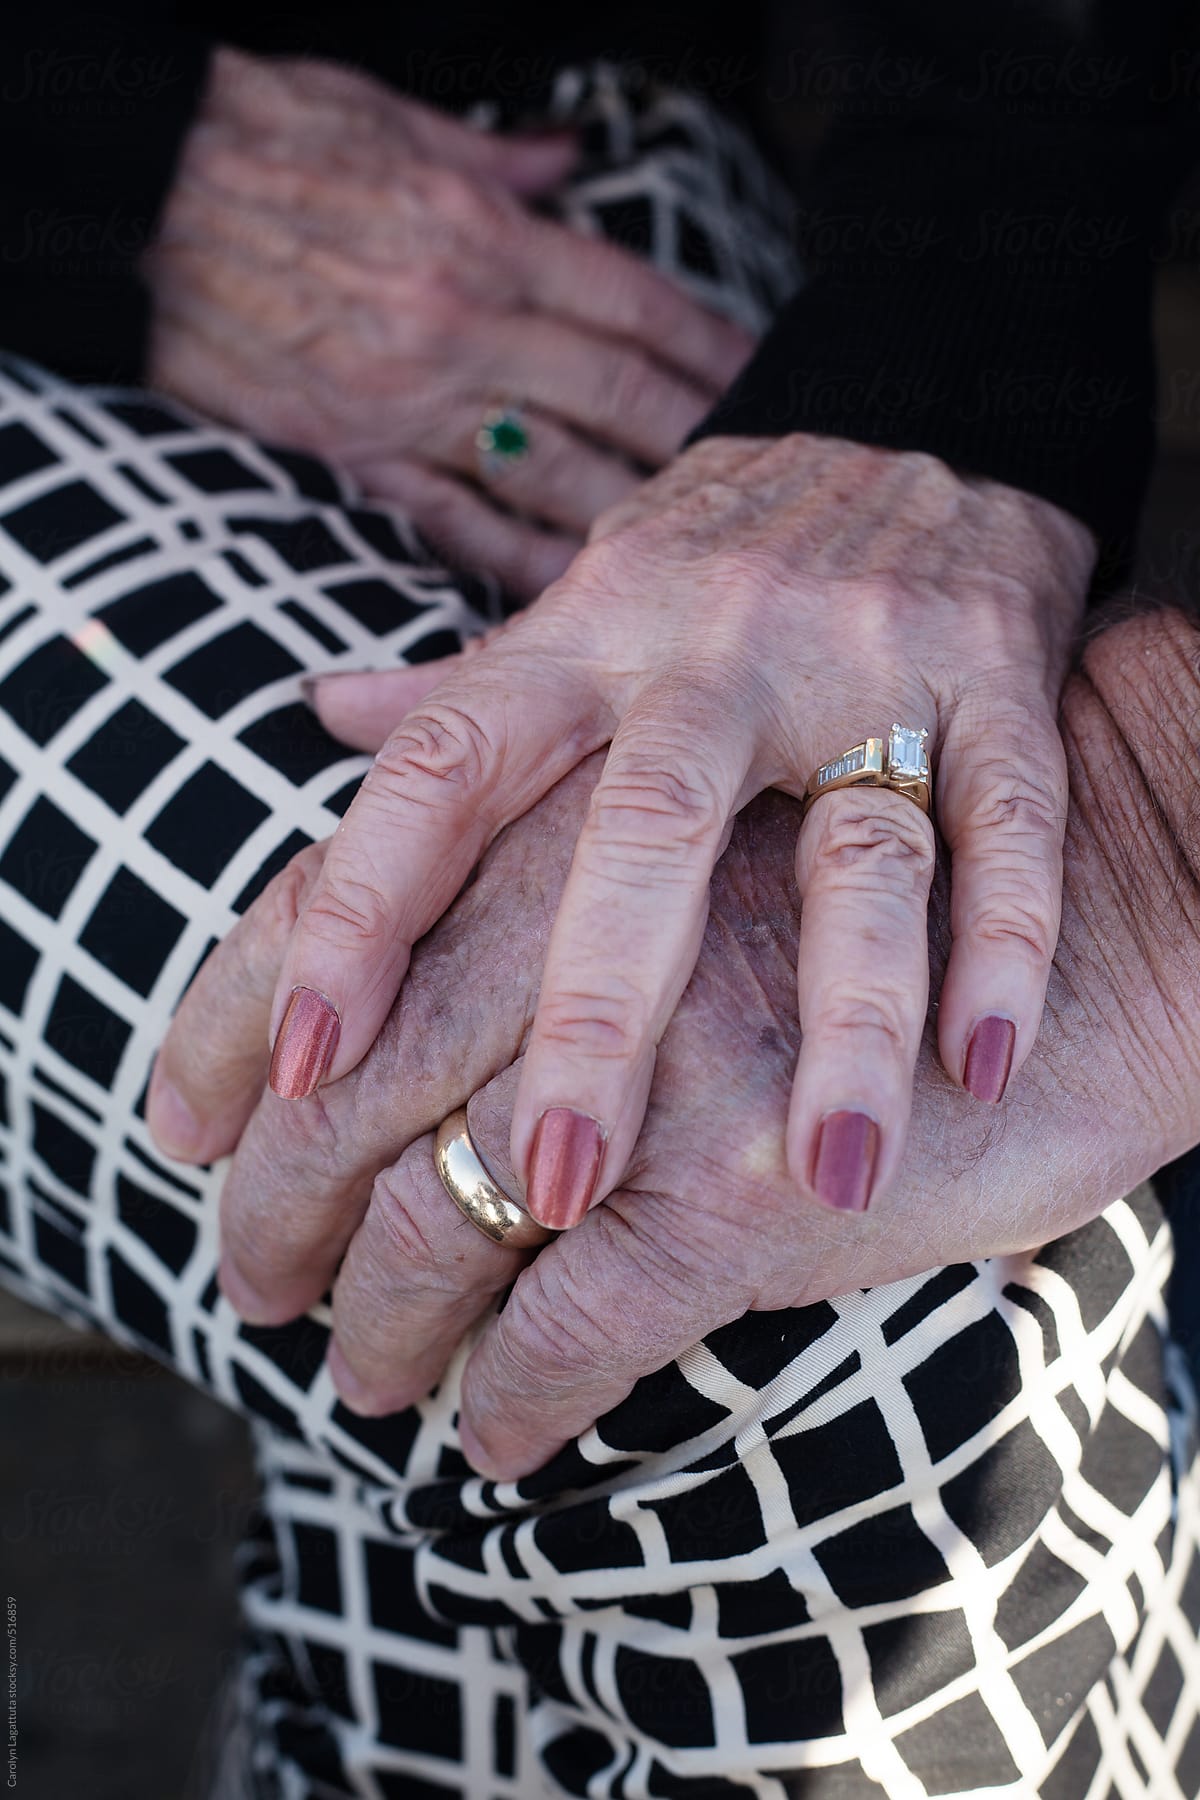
502	439
476	1195
898	762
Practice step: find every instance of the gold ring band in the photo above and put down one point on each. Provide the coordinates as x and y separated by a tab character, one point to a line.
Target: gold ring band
898	762
476	1195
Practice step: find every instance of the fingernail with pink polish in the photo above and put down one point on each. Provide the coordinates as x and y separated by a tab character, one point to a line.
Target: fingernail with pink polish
563	1166
305	1045
844	1164
989	1059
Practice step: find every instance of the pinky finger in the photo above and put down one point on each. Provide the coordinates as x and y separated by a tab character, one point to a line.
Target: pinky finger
1003	813
468	530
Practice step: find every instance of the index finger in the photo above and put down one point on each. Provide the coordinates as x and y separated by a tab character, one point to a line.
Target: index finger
477	754
417	1274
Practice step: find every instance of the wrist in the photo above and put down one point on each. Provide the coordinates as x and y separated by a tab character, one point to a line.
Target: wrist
1129	723
1067	549
1145	670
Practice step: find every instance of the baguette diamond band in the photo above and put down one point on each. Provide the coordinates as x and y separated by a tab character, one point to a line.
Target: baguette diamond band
898	762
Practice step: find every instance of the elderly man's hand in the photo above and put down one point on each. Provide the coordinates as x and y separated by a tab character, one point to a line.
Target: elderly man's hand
351	272
705	1223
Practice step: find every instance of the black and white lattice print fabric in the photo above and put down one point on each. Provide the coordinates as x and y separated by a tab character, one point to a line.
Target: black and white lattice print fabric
937	1538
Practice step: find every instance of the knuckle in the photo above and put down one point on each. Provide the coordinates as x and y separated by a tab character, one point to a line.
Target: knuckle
441	753
404	1239
687	1267
1026	924
652	309
862	1015
333	353
858	844
605	1027
656	810
433	287
347	911
1015	809
550	1332
937	480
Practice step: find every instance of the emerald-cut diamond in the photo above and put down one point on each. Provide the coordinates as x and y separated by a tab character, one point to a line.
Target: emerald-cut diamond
906	752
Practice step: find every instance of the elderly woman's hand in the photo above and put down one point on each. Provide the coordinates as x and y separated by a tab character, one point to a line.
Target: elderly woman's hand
705	1224
350	272
754	611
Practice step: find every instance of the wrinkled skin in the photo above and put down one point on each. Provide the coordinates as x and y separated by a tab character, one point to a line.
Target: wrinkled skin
705	1223
758	607
351	272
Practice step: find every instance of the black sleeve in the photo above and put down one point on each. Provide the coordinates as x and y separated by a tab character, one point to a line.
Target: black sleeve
93	110
978	240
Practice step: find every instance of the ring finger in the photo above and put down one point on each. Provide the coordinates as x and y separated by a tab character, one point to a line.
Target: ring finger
551	472
418	1273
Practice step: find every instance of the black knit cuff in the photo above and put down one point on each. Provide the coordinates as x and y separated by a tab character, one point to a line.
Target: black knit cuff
990	306
90	133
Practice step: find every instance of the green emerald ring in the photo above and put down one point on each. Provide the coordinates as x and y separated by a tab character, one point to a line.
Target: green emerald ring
502	439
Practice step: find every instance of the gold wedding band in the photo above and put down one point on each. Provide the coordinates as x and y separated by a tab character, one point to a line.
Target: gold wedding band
899	763
475	1193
